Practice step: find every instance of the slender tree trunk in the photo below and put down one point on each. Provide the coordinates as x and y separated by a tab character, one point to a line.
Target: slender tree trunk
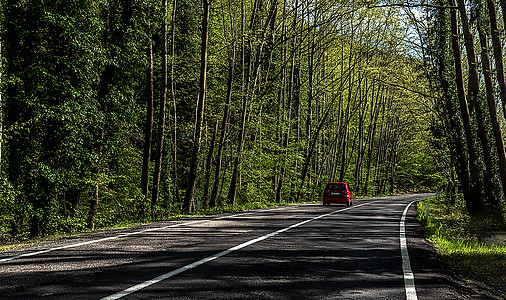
346	118
472	197
372	134
308	157
252	71
347	121
499	65
498	51
175	188
284	112
188	205
209	162
394	164
361	135
475	99
456	145
161	128
148	133
235	175
223	129
382	142
491	101
311	53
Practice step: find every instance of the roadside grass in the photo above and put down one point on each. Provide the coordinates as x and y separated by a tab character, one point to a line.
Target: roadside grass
475	247
8	243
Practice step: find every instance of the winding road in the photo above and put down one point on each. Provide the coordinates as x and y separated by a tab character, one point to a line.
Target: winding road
372	250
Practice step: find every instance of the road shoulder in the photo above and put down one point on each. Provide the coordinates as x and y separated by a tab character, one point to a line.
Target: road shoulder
434	277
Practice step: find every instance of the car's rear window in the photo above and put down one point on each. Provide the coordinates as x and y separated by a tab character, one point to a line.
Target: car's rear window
336	186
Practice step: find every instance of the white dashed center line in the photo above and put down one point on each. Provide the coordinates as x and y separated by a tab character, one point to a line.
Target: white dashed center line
168	275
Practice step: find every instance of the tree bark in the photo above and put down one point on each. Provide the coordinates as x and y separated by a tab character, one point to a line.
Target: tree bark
475	99
175	188
284	111
471	194
209	162
188	205
148	129
252	70
308	157
372	133
161	128
491	101
223	129
361	135
498	52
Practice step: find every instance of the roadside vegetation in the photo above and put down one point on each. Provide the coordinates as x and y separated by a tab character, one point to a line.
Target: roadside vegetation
475	247
117	112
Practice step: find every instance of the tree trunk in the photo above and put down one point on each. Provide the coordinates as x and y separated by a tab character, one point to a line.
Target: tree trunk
284	110
188	205
175	188
148	130
499	65
209	162
248	92
161	128
372	134
471	194
345	124
491	101
361	134
223	129
308	157
498	52
475	99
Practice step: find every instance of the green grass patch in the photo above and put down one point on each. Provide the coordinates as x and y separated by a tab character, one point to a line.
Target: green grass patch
475	247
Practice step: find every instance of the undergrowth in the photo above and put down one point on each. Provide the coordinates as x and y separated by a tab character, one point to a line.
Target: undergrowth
475	246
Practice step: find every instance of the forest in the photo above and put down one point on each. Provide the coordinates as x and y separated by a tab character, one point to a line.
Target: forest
118	111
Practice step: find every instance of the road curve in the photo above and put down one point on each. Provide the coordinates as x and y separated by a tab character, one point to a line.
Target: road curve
296	252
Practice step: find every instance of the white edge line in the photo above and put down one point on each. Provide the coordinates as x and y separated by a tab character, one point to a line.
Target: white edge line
409	278
29	254
3	260
168	275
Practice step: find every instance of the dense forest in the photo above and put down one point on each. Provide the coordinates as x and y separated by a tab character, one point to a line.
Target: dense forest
134	110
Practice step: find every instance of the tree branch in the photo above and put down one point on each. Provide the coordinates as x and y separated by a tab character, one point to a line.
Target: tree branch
413	6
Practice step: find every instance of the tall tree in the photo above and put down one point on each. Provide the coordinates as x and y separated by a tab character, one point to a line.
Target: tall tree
188	205
175	188
472	193
148	129
224	123
491	101
162	114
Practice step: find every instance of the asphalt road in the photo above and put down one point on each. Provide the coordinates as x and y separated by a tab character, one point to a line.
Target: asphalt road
296	252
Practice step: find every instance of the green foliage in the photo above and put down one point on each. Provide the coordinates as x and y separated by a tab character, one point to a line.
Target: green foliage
473	246
328	91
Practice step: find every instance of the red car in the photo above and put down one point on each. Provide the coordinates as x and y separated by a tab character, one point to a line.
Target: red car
337	192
